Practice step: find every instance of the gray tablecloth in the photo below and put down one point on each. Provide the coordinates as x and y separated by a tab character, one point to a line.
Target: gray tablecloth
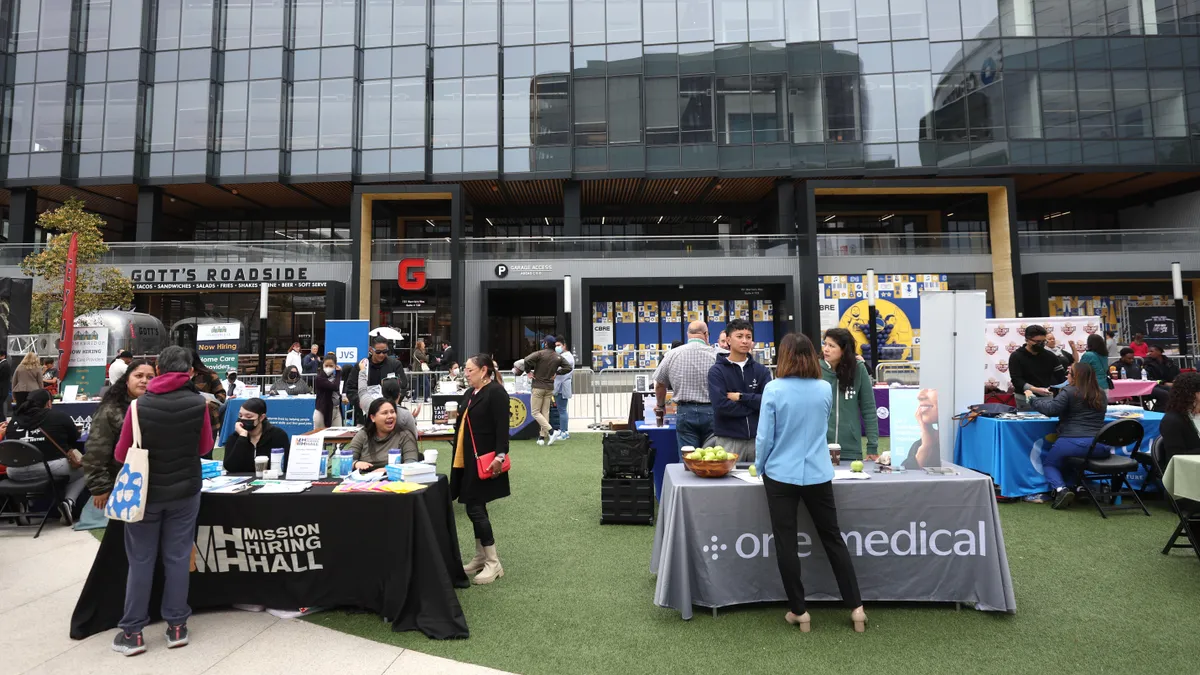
912	536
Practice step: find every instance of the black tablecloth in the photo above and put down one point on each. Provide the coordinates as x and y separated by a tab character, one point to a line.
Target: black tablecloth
393	554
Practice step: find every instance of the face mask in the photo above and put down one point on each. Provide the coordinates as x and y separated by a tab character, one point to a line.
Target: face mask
233	378
1039	347
454	373
249	425
291	377
558	349
329	372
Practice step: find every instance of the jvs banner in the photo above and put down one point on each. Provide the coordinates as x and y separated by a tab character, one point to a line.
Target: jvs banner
217	344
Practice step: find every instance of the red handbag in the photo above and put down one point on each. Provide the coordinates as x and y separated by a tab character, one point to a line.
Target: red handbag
483	465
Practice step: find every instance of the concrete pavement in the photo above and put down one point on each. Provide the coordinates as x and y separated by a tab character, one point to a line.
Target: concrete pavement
40	580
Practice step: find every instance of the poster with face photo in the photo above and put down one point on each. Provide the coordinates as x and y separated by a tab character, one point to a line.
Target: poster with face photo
915	441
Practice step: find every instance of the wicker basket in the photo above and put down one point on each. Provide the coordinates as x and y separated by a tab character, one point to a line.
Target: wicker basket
710	469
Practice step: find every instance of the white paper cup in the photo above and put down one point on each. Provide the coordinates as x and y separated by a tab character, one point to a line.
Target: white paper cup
451	406
260	465
431	456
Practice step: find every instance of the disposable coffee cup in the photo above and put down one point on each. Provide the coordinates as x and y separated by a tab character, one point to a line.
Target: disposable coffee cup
260	465
451	411
431	456
835	453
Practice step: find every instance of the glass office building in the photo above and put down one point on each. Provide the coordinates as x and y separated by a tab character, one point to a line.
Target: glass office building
461	131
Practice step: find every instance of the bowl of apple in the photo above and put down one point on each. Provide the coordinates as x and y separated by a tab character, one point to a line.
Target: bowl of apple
712	462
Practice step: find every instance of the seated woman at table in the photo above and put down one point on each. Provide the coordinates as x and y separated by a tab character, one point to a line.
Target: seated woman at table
328	384
55	434
1096	357
291	383
254	436
388	427
1080	408
99	466
1180	426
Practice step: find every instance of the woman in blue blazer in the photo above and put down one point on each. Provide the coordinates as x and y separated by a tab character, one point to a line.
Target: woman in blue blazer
793	458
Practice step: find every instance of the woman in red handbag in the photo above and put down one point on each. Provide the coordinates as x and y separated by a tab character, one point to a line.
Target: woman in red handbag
479	472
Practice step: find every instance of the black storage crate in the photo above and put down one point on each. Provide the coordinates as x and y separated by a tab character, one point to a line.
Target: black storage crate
627	454
627	501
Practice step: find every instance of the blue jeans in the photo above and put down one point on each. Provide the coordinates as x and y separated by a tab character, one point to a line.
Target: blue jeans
563	418
693	424
1054	456
171	528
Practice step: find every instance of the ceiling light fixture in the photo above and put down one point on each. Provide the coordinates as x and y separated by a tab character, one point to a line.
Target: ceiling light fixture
831	218
949	214
887	217
489	222
547	220
660	219
430	222
601	220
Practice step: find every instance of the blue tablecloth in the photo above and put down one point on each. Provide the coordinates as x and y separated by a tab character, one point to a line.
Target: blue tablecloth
666	451
293	414
1010	451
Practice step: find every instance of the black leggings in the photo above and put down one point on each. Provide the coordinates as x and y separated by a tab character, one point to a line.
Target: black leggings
483	526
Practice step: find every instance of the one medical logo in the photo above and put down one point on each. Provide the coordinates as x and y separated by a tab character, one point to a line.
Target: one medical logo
501	270
916	540
243	549
882	412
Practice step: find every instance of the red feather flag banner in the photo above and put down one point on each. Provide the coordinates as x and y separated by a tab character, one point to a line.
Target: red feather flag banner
66	335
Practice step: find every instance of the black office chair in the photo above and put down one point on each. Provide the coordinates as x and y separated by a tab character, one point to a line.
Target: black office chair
1188	511
1113	467
21	454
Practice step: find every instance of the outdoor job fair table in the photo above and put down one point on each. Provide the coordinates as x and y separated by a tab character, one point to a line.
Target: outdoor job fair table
1010	450
293	414
393	554
913	537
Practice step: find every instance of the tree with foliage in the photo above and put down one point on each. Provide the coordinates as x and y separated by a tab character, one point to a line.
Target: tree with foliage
96	287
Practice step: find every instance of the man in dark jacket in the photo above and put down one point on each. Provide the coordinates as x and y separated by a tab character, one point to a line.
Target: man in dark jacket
544	365
1033	368
735	386
447	357
1163	370
374	369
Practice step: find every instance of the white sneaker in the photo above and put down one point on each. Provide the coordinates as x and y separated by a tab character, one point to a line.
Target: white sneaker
564	436
553	437
541	441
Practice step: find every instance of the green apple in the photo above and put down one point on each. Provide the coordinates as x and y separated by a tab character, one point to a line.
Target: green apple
753	471
856	466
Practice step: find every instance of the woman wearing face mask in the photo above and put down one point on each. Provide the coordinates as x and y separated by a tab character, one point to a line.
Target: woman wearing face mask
328	384
387	428
99	466
254	437
290	383
456	376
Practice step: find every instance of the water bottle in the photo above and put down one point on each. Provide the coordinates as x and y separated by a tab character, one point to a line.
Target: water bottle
1144	377
277	460
345	462
395	456
323	472
1123	373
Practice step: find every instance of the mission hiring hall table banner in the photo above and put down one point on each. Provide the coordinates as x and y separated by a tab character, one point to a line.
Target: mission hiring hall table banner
393	554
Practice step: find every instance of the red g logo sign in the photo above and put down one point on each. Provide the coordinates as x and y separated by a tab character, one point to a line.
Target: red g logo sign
411	274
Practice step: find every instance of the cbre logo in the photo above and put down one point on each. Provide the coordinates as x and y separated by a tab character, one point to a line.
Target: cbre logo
411	274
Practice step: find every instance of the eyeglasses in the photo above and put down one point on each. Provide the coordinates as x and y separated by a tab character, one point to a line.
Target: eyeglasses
1037	341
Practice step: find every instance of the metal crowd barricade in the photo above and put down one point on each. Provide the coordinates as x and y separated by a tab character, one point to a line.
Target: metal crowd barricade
898	372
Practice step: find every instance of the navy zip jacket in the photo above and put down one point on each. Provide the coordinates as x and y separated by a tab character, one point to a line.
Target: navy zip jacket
736	419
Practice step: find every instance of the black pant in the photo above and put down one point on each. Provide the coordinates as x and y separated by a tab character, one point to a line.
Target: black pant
483	526
783	501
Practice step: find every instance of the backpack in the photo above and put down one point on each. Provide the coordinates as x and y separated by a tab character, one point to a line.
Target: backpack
983	410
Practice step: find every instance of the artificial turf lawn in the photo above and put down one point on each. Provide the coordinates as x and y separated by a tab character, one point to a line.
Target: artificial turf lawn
1092	595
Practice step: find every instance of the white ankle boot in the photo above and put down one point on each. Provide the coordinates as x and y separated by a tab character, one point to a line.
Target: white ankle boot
492	570
476	564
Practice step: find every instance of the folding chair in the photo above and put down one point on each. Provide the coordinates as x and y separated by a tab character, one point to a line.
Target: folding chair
1189	518
21	454
1113	467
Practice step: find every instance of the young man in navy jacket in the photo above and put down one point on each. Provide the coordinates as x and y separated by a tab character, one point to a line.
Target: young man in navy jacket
735	386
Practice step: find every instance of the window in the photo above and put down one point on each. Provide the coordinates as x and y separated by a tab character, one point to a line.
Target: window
696	109
625	110
590	123
841	107
662	111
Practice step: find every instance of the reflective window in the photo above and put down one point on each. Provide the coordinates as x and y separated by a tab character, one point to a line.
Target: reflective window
553	123
518	112
624	20
447	114
234	108
481	115
660	21
841	108
730	21
305	115
409	19
695	20
696	109
551	21
874	24
120	116
1168	103
802	23
590	123
337	113
192	125
1095	104
1060	115
263	120
662	111
408	113
518	22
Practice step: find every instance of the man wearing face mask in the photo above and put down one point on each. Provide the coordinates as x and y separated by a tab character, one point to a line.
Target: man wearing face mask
290	383
234	388
1033	368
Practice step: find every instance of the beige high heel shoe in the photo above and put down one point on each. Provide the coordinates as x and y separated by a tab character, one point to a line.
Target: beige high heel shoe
859	617
803	620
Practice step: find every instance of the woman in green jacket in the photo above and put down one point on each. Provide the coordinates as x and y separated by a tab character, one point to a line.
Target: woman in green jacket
1096	357
853	398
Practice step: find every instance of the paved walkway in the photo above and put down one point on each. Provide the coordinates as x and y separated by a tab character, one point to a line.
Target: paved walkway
40	580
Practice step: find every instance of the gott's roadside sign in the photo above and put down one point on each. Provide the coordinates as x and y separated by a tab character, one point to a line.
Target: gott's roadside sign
220	278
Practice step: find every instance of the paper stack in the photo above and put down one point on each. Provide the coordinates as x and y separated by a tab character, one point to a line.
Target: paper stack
418	473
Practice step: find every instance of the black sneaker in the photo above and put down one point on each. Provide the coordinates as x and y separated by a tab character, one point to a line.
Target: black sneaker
66	510
177	636
129	645
1062	498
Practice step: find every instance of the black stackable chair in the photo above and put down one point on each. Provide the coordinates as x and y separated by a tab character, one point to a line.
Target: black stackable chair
17	492
1188	512
1113	467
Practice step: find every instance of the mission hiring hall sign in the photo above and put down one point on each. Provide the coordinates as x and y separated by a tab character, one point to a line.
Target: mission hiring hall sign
218	278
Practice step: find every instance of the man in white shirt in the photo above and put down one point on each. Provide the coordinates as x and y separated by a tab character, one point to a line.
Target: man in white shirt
117	369
234	388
